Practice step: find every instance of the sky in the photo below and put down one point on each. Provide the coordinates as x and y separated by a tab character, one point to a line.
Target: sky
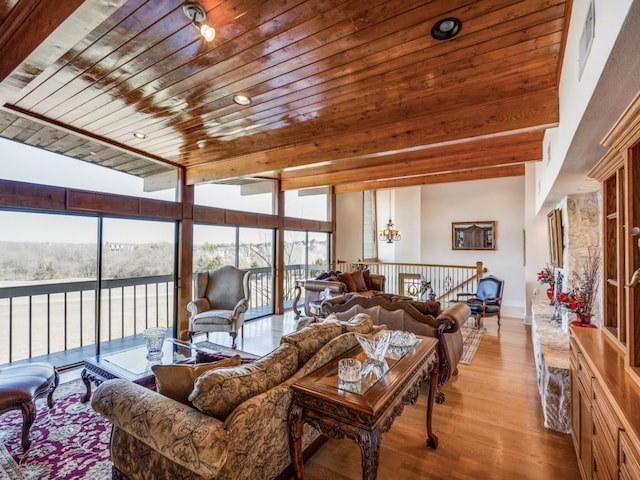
23	163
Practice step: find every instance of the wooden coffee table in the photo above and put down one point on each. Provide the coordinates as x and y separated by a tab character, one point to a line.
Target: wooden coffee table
362	412
132	364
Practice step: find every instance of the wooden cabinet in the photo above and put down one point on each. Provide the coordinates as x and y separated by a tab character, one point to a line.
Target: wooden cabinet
619	173
581	419
604	436
604	413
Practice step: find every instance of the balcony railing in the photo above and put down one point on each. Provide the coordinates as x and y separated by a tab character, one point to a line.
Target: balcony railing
45	318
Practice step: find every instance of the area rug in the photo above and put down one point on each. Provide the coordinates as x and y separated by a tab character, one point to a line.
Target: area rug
70	441
471	338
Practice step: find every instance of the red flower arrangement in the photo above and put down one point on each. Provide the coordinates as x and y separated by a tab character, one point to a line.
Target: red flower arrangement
572	303
581	296
546	276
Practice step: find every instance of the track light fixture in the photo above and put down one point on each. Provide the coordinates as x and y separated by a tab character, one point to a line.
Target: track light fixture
198	17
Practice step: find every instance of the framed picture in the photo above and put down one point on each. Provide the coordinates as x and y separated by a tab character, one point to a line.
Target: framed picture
473	235
554	226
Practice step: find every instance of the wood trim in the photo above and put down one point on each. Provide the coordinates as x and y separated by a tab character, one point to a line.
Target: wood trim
461	176
31	195
565	35
626	131
607	165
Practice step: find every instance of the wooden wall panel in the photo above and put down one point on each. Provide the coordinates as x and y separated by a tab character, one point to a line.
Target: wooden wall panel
160	209
32	196
102	203
202	214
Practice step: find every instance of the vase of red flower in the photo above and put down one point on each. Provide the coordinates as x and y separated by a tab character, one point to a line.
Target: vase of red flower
546	277
581	295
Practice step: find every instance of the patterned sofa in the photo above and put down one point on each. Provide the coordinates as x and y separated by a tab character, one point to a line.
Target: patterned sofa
421	318
236	425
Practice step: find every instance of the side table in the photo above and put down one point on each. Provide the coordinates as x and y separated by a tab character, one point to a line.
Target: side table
362	413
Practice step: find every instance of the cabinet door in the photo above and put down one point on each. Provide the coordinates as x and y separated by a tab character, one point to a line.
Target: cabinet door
629	459
586	429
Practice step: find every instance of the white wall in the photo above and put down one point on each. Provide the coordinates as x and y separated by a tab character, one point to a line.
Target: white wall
500	200
349	226
537	241
424	215
575	93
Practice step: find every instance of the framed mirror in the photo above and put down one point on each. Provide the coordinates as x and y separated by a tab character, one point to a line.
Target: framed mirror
473	235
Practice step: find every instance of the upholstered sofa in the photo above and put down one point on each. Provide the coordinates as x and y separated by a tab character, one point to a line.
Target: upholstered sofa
234	424
421	318
359	283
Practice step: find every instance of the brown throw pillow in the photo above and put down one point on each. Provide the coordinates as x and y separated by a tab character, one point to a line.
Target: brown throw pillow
347	279
176	381
358	278
368	280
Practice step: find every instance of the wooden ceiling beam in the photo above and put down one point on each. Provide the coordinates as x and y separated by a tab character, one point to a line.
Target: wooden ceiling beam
537	111
401	169
480	146
461	176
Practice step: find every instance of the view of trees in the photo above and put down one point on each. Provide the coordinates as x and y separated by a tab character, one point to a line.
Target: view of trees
31	261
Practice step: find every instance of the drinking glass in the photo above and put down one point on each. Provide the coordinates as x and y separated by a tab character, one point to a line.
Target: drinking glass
349	370
154	339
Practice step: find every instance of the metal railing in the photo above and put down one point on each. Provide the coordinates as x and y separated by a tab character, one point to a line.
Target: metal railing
45	318
422	281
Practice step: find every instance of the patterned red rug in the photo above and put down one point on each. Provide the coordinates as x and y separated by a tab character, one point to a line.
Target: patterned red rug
68	442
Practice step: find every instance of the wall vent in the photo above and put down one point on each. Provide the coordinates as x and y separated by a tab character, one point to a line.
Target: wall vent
586	39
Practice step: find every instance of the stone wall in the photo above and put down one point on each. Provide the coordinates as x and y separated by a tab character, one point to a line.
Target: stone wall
582	225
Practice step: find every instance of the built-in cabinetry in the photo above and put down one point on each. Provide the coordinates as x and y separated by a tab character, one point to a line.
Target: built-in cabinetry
619	174
605	362
605	418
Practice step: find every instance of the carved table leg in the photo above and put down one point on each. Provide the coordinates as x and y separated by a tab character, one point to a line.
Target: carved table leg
369	443
86	379
432	439
295	440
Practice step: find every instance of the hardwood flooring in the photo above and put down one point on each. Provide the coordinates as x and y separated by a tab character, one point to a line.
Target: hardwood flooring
490	426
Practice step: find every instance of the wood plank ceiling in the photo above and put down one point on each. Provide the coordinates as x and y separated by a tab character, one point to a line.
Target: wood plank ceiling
347	93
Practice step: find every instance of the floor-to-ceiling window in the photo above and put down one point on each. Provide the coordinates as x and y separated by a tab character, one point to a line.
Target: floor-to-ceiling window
306	255
47	283
137	276
49	271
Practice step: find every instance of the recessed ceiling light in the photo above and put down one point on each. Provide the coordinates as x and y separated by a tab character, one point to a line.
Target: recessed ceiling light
446	28
139	135
242	100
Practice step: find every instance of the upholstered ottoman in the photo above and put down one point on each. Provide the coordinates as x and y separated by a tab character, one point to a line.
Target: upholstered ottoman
21	385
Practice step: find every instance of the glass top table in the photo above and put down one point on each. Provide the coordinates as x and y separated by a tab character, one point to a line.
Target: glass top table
132	364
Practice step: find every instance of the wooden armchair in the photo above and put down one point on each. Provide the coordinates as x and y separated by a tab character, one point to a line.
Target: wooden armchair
222	298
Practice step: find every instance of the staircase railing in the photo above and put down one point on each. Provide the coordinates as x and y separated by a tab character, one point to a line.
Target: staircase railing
422	281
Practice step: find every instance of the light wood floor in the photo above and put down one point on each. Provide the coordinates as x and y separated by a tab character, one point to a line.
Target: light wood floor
490	426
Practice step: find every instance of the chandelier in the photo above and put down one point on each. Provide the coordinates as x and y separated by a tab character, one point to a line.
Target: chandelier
390	233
